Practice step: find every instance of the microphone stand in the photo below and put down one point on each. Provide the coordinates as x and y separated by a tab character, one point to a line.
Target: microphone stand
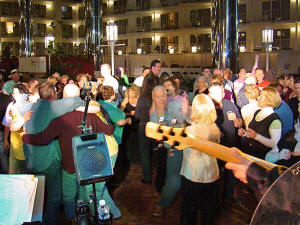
84	131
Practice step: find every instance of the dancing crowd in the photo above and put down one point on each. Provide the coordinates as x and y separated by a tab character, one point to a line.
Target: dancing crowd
255	111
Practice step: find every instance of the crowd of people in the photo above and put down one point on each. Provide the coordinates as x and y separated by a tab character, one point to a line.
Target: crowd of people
254	111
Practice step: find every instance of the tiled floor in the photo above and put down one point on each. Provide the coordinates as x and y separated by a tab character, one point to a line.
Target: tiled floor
136	201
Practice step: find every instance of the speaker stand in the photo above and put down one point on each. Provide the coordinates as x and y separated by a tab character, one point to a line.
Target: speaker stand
95	204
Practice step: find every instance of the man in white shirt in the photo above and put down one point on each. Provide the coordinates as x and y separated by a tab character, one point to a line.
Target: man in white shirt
139	80
109	80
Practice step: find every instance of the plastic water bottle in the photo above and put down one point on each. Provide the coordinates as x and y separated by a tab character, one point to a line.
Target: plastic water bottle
103	212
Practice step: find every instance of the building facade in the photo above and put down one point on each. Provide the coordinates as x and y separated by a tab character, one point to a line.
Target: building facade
176	31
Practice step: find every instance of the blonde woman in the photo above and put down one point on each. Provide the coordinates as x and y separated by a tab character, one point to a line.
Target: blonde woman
264	130
130	141
131	98
200	172
252	92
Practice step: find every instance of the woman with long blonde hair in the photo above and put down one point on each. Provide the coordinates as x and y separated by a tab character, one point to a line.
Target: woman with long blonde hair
200	172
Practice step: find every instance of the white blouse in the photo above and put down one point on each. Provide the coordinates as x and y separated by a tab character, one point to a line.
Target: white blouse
197	166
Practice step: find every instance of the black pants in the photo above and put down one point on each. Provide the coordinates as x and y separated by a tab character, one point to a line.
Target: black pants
145	145
198	195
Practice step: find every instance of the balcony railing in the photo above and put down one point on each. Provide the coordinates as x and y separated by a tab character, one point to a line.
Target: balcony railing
201	22
275	15
283	44
146	27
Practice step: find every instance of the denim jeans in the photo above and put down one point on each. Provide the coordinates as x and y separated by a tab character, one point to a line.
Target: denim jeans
173	178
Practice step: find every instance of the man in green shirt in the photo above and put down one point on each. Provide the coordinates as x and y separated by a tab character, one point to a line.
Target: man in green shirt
123	76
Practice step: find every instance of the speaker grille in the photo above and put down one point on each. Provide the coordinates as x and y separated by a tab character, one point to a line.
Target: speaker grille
92	162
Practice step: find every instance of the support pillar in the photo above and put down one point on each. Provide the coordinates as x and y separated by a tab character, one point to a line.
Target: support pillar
26	43
93	19
224	40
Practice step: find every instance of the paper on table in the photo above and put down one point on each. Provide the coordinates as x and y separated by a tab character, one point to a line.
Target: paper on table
16	198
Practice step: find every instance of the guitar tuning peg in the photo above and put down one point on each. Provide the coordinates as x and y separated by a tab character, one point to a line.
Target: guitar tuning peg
176	143
183	134
159	130
171	133
165	138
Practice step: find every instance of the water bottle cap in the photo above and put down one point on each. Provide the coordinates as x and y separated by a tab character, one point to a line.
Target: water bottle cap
102	202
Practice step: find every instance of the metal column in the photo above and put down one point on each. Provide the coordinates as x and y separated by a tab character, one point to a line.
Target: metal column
93	19
224	40
26	43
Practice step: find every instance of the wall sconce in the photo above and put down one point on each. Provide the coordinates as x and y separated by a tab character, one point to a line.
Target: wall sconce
139	51
120	52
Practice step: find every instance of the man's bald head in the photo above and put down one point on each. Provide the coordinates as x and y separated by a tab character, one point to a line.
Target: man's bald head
71	90
105	70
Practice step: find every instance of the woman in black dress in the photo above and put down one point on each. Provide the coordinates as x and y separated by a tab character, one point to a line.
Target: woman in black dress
130	134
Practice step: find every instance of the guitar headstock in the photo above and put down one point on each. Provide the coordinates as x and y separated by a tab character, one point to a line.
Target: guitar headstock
176	137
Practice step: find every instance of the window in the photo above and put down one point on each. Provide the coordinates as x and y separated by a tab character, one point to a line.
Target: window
39	48
122	26
200	18
9	29
242	39
81	13
144	23
276	10
9	9
66	13
142	4
201	41
169	21
122	48
169	42
120	6
39	11
67	48
281	38
67	31
242	13
39	30
145	44
81	31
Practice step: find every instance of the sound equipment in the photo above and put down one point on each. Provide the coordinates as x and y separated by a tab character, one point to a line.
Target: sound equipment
180	139
91	158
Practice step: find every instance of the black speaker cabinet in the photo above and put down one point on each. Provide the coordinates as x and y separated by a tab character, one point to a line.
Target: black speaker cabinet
91	158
